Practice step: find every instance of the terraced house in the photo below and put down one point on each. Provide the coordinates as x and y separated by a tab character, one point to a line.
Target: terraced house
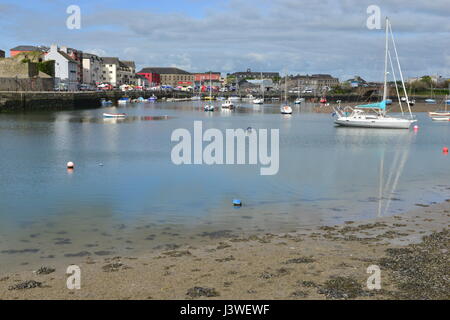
117	73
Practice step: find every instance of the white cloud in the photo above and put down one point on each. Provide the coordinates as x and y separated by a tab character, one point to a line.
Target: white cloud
274	35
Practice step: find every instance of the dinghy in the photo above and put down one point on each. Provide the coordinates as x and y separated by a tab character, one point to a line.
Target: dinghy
114	115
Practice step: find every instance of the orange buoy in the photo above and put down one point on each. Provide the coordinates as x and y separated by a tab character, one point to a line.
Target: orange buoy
70	165
445	150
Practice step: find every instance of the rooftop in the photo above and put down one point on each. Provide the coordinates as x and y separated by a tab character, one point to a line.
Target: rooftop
111	60
28	48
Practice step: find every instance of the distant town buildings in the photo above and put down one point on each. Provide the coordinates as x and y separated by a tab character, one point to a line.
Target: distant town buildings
249	74
206	76
356	82
92	69
314	81
2	54
77	56
154	79
117	73
66	68
170	76
27	49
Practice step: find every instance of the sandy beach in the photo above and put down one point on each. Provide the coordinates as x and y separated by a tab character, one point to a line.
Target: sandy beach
328	262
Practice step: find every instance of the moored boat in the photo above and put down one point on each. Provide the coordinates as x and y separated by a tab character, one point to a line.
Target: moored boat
359	116
114	115
286	110
228	104
123	100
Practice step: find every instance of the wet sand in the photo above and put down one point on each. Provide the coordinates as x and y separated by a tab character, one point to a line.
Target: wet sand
328	262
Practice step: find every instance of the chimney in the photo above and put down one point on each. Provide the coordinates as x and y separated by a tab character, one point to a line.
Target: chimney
53	48
64	49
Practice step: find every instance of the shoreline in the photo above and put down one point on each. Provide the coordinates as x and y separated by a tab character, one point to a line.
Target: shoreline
328	262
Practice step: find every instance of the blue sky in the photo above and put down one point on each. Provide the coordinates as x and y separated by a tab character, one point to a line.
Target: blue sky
295	36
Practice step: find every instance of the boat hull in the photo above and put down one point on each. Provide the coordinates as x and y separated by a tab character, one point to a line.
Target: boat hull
386	123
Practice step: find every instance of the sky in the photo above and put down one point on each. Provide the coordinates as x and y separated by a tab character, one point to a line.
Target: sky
286	36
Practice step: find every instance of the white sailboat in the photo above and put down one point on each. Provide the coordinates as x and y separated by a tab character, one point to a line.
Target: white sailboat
209	106
285	109
359	116
260	100
298	100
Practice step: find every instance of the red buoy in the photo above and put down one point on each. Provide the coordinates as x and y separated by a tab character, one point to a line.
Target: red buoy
445	150
70	165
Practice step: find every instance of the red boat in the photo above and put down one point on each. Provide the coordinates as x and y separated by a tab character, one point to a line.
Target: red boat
323	100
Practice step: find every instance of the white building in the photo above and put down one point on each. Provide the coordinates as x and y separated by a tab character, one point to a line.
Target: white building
116	72
92	69
65	67
110	70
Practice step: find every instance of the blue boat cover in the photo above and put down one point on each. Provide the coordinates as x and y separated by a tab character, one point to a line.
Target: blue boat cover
379	105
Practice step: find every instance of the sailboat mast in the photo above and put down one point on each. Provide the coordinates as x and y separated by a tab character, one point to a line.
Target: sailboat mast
262	86
285	89
386	62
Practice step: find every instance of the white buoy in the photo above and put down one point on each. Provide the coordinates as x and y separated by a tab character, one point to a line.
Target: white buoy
70	165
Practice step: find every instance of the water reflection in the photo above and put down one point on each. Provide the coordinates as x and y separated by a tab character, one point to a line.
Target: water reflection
392	147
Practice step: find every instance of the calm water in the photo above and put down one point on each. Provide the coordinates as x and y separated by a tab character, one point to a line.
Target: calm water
125	196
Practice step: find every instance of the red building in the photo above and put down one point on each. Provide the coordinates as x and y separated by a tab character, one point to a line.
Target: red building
19	49
154	79
202	77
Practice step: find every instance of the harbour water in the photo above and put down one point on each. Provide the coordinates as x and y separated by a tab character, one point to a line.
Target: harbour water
125	196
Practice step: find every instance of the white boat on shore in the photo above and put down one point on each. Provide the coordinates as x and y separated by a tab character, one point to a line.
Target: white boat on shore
374	115
258	101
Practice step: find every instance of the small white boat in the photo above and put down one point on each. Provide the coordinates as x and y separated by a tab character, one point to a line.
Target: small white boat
258	101
440	118
430	101
443	115
249	97
234	98
152	98
105	102
228	104
123	100
286	110
114	115
208	107
299	100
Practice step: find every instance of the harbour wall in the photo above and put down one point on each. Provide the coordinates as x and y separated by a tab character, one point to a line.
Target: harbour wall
11	101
